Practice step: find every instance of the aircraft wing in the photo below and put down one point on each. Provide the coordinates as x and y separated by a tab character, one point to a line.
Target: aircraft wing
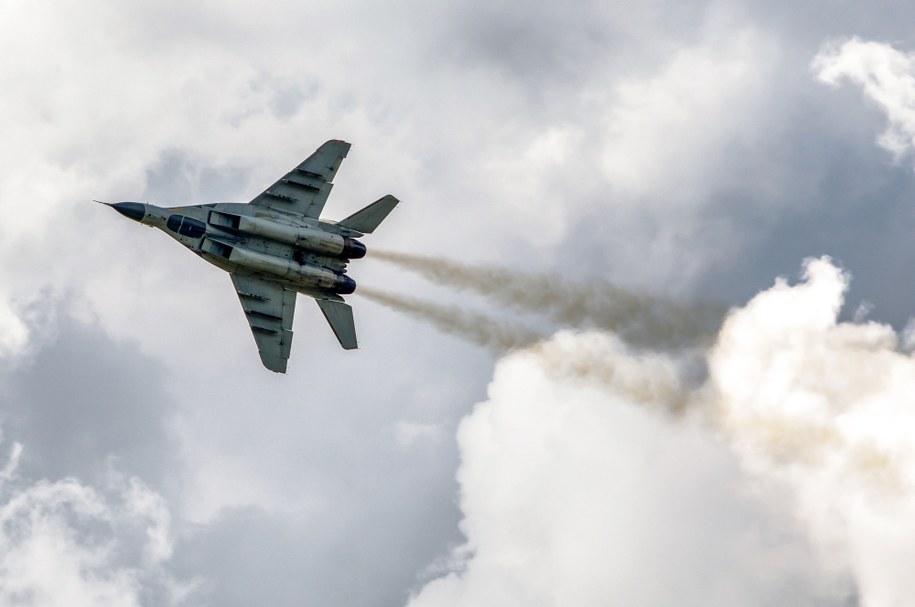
305	189
269	308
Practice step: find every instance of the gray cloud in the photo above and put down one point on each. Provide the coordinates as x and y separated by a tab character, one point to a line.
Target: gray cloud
65	542
83	402
542	49
249	556
177	180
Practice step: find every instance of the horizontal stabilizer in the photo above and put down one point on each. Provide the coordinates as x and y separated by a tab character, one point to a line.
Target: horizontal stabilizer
340	317
367	219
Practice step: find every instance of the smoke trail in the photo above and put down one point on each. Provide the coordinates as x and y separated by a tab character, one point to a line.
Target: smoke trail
641	319
600	359
495	335
564	357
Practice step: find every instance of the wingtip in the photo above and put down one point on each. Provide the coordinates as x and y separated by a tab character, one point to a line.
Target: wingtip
275	366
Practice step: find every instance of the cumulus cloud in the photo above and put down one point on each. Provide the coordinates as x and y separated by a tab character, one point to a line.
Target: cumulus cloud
815	412
887	78
825	407
67	543
575	493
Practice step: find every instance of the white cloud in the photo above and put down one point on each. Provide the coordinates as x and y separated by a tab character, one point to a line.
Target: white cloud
558	509
14	334
826	408
65	543
887	78
662	132
574	495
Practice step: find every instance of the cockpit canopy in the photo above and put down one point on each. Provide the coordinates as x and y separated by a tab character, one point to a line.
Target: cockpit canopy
186	226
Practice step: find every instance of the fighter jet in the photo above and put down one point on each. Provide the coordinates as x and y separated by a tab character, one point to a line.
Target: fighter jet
276	246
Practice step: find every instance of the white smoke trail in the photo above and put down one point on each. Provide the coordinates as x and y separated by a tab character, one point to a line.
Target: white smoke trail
567	356
821	409
642	319
647	380
496	335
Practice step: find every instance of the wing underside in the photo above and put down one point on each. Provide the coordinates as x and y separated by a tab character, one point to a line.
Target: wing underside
304	190
269	309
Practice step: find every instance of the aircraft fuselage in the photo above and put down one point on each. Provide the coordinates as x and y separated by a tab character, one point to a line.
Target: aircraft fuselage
307	254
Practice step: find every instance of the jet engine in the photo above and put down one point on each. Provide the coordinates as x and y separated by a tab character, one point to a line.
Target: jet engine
305	274
303	237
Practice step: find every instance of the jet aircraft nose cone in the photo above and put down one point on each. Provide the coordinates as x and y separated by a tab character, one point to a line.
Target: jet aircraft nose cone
134	210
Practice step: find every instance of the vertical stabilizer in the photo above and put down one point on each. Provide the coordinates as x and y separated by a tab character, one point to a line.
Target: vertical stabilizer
367	219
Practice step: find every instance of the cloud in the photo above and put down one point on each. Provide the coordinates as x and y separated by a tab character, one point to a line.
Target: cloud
887	78
505	129
662	128
66	543
97	421
815	412
13	332
824	407
574	492
81	401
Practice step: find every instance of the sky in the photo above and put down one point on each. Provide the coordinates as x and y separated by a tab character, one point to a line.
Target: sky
647	339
